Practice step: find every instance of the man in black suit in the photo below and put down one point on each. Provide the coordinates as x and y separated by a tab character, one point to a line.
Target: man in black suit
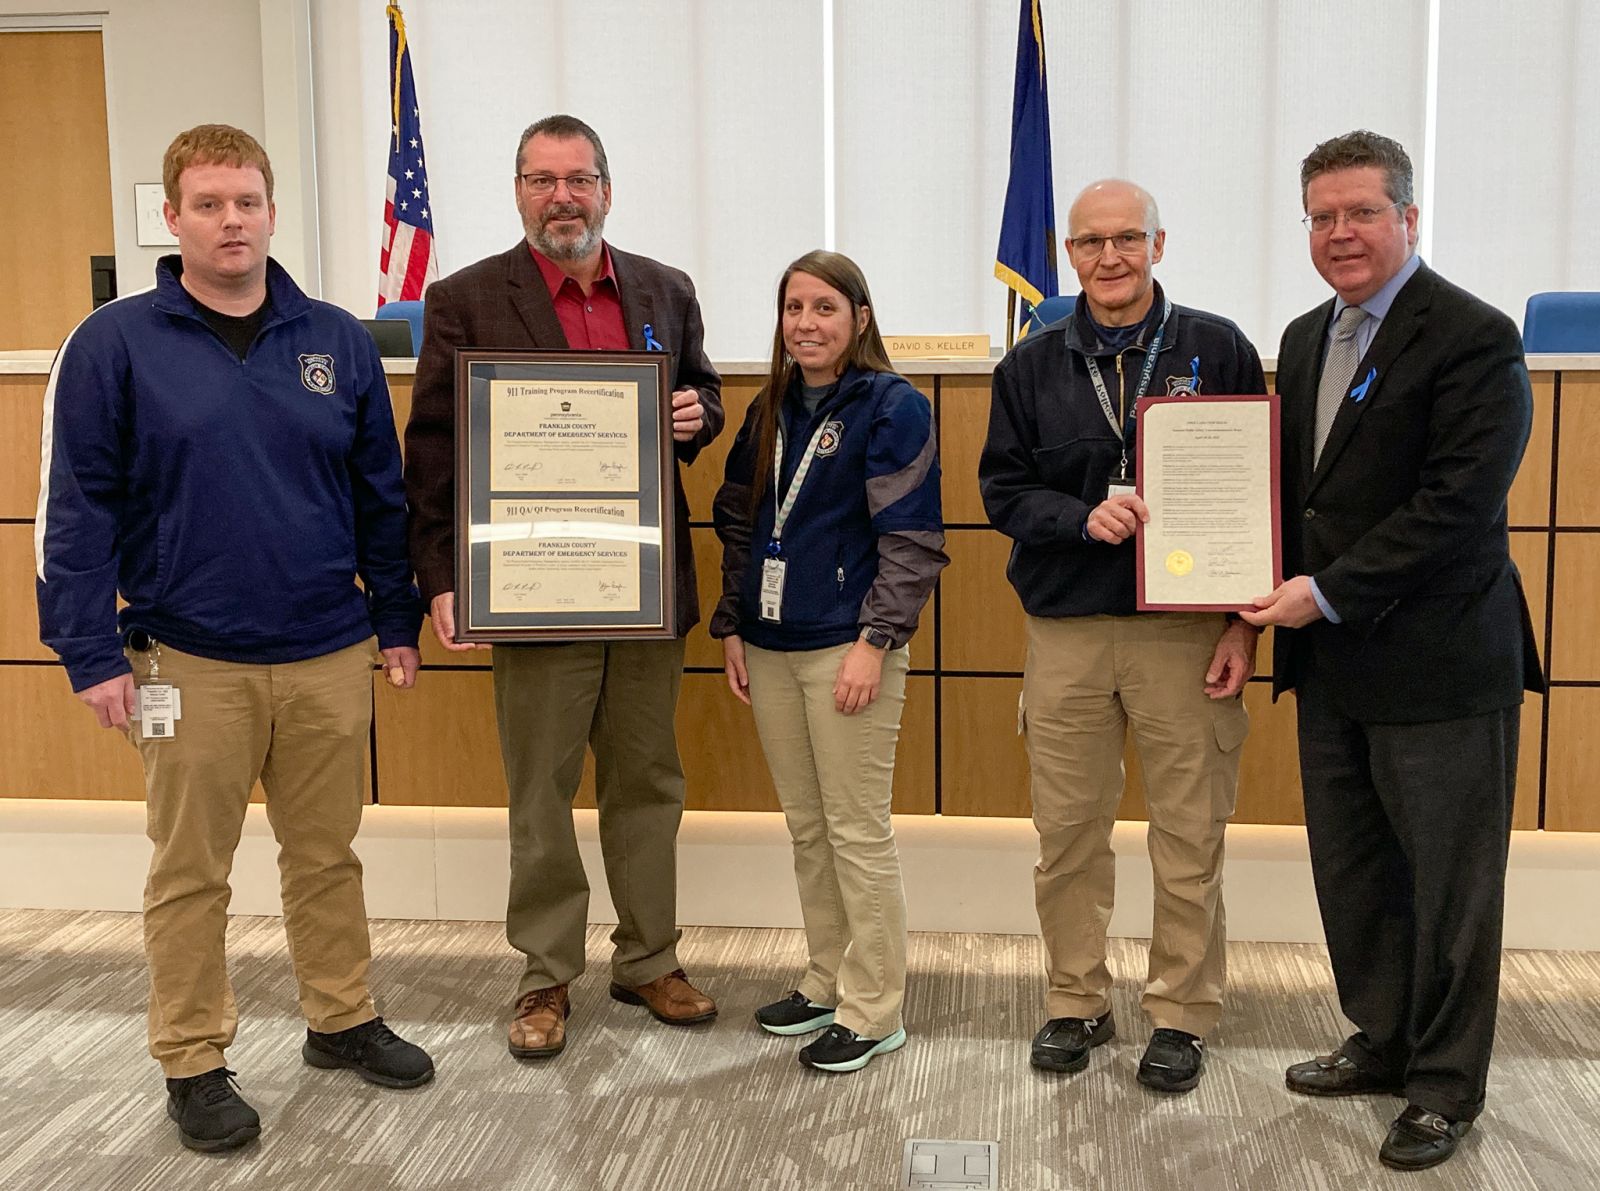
563	286
1406	637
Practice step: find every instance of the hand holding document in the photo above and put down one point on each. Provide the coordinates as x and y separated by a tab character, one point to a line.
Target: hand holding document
1208	472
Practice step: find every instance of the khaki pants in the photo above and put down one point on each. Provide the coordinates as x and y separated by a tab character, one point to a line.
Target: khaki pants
618	698
1086	680
834	773
301	728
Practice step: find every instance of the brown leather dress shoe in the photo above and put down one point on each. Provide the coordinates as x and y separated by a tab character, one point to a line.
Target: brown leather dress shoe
538	1027
1337	1075
671	999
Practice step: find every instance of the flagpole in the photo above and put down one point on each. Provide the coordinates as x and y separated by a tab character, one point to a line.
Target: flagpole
1011	318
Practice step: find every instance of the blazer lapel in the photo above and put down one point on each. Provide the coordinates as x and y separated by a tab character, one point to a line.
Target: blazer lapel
1400	327
638	304
530	297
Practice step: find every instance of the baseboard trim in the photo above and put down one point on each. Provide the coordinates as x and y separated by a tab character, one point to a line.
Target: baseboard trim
961	874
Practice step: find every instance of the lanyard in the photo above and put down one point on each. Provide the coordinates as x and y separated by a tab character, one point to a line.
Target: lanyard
1144	383
784	506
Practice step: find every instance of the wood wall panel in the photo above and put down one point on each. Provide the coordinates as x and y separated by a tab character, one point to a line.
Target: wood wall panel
51	746
55	188
19	628
723	765
984	764
1575	643
437	743
1578	480
1269	770
982	621
21	414
1574	759
704	477
400	386
1531	554
963	425
1529	500
722	759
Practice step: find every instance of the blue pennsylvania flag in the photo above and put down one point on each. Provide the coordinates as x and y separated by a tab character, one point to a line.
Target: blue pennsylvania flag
1026	258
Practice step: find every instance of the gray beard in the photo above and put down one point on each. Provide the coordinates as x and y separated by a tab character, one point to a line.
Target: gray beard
569	250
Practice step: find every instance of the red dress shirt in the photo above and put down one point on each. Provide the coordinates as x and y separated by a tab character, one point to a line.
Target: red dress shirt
592	323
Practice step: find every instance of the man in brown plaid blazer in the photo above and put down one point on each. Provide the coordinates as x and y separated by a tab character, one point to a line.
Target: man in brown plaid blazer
565	287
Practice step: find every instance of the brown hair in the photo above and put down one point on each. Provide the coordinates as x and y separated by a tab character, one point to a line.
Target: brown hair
865	351
1354	150
566	128
211	144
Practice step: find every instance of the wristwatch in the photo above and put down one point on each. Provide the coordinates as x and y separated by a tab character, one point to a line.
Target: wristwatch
876	638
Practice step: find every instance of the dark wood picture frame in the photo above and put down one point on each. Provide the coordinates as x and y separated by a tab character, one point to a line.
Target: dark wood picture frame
475	367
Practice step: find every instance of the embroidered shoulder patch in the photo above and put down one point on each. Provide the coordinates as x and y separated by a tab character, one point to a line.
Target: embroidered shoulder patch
316	373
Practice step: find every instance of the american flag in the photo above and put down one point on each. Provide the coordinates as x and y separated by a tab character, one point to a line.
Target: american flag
406	262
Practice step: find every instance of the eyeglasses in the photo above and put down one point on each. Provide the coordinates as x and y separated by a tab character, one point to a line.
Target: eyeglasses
578	185
1320	223
1128	243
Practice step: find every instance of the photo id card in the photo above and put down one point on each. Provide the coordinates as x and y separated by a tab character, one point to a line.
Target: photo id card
772	570
159	711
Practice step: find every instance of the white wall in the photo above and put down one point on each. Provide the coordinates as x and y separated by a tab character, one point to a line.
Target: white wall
713	112
1519	148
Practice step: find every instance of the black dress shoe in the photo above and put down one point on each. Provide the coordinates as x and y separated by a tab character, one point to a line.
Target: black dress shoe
1065	1042
1419	1139
1337	1075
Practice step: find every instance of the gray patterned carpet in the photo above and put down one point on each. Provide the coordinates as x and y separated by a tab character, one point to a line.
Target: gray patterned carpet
634	1106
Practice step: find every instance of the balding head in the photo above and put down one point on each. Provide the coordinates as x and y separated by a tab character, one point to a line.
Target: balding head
1114	238
1119	194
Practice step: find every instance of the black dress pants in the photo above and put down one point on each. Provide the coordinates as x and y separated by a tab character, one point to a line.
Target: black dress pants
1409	826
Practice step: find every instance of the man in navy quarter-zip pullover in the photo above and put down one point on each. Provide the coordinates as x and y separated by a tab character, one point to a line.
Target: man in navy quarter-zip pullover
219	450
1057	474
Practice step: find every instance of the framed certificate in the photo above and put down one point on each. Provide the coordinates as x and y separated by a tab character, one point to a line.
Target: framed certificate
1208	472
564	496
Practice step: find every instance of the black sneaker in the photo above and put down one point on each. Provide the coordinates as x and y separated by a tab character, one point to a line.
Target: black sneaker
1065	1042
373	1051
794	1015
845	1050
210	1113
1172	1062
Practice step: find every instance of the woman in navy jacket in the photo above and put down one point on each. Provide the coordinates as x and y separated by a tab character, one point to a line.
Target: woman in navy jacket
832	540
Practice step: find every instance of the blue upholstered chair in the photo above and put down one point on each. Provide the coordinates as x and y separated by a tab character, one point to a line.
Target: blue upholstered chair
1051	310
411	312
1562	322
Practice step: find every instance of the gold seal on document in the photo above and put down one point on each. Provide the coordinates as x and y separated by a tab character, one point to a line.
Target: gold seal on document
1180	562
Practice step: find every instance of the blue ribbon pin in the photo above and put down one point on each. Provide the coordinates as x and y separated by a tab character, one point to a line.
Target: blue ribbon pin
1359	393
650	344
1194	376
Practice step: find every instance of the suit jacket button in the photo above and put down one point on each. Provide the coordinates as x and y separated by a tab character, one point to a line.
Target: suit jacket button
1310	513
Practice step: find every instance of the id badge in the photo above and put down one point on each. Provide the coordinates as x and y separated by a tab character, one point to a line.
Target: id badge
1119	487
772	571
160	708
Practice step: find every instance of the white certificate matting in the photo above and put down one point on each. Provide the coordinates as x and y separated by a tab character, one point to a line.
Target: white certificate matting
1208	472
